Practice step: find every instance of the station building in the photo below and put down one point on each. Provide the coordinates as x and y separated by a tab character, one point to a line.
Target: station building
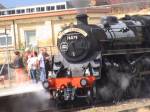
39	25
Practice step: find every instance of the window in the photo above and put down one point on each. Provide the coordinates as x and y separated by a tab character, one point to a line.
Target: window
52	7
20	11
32	9
39	9
28	10
59	7
11	12
42	8
3	41
2	13
49	8
30	37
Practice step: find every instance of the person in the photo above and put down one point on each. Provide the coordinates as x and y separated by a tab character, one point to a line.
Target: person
42	64
62	72
27	55
33	64
18	66
47	62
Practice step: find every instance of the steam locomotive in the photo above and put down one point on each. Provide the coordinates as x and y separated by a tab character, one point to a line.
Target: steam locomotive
115	53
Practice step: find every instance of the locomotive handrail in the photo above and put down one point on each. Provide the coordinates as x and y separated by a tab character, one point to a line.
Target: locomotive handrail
121	28
126	51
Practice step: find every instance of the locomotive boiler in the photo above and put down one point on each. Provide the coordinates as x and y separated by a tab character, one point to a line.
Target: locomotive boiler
79	42
118	51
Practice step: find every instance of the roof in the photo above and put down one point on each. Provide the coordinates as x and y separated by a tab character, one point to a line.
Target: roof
106	2
55	13
38	5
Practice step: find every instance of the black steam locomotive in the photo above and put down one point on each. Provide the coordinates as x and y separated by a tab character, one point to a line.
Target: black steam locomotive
117	52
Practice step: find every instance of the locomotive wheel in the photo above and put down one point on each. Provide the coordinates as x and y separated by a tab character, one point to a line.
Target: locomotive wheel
94	91
136	81
135	88
89	98
51	92
91	95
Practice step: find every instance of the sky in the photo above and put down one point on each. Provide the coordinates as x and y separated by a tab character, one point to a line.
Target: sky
17	3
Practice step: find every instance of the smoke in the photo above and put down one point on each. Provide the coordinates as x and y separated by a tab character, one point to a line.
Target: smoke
116	85
20	89
79	3
123	83
145	63
28	101
122	80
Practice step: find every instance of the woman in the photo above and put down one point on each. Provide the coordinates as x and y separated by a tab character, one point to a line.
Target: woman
27	54
18	65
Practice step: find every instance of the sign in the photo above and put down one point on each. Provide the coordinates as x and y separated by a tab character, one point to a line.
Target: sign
61	34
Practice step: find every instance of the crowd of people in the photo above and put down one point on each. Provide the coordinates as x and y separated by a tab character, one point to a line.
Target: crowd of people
36	65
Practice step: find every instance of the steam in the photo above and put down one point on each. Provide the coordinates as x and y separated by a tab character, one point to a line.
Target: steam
116	85
27	98
30	102
145	63
24	88
120	83
80	3
121	79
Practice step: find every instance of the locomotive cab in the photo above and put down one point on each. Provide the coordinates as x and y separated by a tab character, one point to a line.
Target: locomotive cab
109	20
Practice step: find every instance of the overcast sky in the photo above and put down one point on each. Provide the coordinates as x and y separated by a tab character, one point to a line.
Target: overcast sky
17	3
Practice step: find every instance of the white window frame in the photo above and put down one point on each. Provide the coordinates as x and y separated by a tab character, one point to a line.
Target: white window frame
9	45
27	45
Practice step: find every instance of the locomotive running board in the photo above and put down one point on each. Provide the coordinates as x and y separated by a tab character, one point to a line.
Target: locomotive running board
126	51
144	73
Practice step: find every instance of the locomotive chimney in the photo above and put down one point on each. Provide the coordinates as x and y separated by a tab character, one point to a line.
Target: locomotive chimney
82	19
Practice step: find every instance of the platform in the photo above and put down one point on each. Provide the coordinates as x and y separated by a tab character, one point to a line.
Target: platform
20	89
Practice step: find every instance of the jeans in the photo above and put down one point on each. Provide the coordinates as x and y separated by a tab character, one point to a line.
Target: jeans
33	75
42	74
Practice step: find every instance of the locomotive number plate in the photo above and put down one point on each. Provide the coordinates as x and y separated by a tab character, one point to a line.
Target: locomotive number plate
72	37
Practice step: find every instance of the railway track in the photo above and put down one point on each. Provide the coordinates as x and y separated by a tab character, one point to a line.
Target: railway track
41	102
132	105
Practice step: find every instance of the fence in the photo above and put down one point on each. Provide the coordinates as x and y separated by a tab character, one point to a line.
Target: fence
6	58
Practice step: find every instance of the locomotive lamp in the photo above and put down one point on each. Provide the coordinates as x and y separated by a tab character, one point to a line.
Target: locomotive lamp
83	82
46	84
